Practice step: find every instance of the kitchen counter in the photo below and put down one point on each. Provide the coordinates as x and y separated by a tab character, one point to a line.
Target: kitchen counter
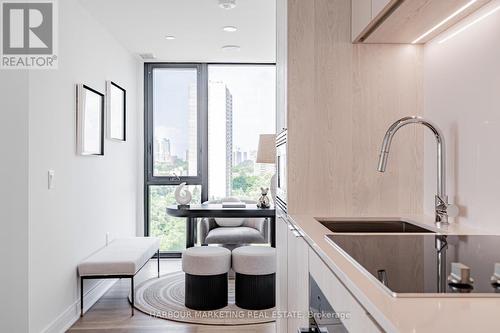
422	314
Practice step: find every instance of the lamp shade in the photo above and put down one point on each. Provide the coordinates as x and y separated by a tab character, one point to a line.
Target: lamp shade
267	149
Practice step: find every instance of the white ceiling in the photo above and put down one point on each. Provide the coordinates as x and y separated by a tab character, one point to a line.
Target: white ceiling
141	26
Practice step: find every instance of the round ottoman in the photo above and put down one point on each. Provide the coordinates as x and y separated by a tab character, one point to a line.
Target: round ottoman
206	270
255	268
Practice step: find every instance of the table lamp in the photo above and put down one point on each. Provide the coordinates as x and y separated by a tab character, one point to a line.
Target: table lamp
266	154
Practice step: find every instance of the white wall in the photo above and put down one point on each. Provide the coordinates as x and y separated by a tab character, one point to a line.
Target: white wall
14	201
92	195
462	95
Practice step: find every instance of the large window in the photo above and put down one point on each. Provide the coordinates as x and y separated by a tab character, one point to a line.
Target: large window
175	122
241	106
202	126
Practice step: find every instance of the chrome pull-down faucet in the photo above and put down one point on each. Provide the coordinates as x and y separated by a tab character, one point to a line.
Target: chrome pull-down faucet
442	208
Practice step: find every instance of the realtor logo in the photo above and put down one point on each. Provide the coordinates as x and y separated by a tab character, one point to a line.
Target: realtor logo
28	34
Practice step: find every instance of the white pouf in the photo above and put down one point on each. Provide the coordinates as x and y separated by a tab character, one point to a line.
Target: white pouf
254	260
255	285
206	285
206	260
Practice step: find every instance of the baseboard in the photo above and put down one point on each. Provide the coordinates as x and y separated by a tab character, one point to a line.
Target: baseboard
69	316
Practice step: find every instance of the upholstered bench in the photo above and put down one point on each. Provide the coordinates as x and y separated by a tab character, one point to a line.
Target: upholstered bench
122	258
255	268
206	284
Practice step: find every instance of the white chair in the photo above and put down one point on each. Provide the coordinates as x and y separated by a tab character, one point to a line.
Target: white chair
250	230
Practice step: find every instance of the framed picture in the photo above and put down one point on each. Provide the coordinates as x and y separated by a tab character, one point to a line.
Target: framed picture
116	110
90	121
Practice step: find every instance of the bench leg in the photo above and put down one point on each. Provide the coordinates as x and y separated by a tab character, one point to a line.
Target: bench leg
132	293
158	256
81	297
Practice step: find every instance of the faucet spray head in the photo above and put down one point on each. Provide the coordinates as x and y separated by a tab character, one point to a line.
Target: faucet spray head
382	161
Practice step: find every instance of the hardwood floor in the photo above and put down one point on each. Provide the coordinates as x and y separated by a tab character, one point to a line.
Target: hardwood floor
112	312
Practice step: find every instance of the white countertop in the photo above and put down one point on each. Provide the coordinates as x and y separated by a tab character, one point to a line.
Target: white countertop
422	314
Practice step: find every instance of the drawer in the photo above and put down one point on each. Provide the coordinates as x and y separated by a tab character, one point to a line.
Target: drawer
357	319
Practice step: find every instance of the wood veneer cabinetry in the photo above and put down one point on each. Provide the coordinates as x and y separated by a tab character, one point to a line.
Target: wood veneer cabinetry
403	21
364	12
341	99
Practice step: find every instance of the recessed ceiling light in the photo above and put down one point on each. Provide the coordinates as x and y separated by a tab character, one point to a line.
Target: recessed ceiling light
169	37
229	28
227	4
231	48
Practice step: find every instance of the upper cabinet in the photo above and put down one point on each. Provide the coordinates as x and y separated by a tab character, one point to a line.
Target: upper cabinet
406	21
364	12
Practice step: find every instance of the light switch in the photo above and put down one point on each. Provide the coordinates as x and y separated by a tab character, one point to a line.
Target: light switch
51	180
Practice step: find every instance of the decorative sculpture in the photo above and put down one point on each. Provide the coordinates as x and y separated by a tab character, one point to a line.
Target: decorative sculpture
182	195
264	199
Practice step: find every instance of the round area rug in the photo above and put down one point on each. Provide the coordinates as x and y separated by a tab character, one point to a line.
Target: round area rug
164	298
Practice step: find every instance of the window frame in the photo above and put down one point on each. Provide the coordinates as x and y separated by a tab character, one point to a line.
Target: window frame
149	127
202	117
149	178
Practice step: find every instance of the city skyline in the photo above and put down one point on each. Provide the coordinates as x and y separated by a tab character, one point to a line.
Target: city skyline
252	88
220	139
240	102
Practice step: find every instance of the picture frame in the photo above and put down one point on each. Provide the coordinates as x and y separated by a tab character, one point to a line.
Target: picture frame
90	121
116	111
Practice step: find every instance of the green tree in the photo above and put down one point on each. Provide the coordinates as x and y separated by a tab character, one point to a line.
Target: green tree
244	183
171	230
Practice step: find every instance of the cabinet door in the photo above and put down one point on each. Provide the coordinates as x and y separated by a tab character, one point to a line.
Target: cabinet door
298	281
281	270
340	298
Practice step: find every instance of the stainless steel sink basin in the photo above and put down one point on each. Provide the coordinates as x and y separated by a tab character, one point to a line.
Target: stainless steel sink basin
372	226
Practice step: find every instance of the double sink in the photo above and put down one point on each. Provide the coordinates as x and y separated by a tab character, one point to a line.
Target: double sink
372	226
